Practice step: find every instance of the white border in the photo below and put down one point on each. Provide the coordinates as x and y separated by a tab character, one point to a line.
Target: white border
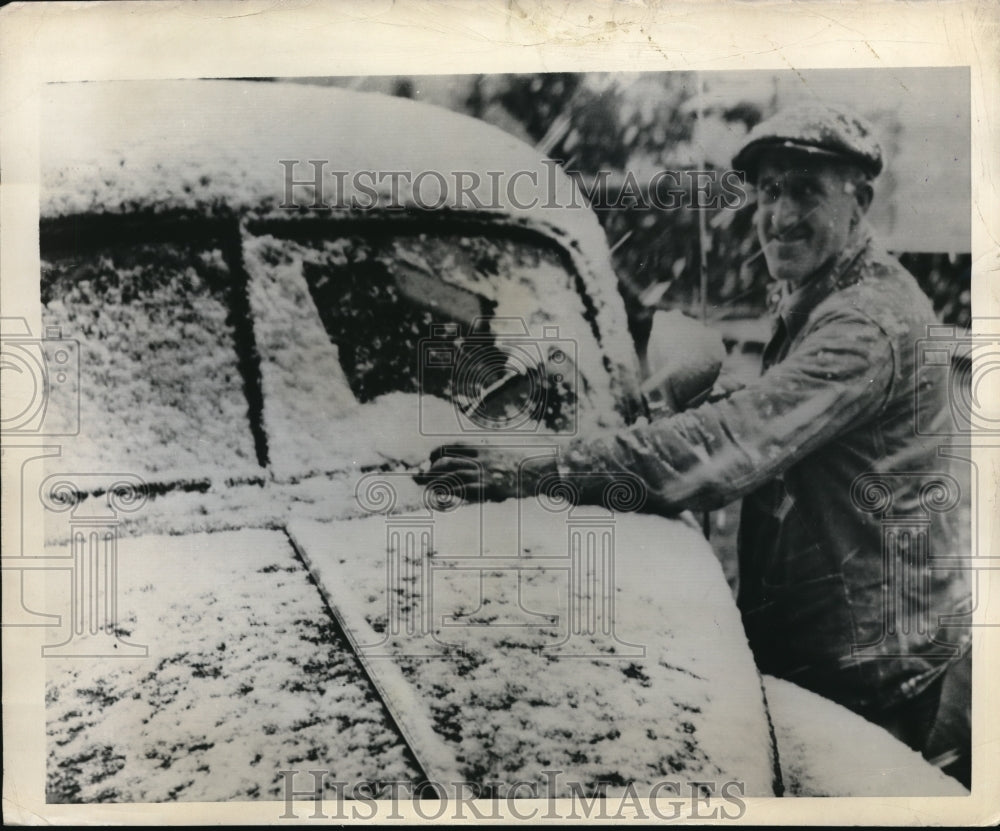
42	42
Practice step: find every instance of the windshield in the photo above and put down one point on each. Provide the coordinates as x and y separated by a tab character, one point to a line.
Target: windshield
489	324
322	353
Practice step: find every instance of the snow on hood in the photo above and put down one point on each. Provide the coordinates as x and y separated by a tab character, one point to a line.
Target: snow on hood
245	676
508	671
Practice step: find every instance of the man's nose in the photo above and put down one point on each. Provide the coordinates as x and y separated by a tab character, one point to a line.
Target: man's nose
785	213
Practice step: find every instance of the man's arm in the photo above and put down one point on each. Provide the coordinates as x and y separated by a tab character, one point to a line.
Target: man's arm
840	375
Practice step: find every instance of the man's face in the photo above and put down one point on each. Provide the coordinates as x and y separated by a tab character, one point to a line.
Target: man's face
806	213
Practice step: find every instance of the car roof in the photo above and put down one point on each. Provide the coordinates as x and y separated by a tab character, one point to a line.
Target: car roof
188	141
189	144
214	147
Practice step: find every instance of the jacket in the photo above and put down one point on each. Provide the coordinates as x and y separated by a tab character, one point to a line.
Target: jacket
849	513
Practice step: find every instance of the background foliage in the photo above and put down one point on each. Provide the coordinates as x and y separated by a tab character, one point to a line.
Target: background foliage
638	123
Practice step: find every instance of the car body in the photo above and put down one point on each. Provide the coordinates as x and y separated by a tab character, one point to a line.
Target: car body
271	368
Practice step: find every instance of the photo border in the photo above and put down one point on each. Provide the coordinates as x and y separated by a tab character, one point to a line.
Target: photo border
46	42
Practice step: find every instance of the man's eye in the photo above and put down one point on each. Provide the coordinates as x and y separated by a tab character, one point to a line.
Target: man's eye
770	193
805	190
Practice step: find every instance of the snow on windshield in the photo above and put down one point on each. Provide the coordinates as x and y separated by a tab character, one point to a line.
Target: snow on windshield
376	349
209	361
161	391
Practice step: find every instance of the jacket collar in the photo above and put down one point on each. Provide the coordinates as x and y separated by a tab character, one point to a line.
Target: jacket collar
793	306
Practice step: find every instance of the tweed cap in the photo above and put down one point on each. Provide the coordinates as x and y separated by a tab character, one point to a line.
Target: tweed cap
816	130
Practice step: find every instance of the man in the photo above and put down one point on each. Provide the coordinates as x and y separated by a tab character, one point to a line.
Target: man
836	401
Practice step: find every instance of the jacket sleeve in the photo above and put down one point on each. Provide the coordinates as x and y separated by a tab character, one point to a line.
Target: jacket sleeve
839	375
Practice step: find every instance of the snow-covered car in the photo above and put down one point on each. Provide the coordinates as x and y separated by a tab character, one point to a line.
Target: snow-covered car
272	338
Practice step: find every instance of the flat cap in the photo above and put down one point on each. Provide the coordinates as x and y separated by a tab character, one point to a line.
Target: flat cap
813	129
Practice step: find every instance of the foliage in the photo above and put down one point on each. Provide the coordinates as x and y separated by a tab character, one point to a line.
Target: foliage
646	122
640	123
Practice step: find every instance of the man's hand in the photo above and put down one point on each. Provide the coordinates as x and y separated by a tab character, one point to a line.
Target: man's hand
483	473
725	385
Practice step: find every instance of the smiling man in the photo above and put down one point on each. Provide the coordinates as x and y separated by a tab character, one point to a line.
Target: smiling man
827	602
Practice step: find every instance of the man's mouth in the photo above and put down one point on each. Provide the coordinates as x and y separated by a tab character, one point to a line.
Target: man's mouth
789	237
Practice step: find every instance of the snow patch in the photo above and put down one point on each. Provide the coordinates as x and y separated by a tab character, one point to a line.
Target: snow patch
246	676
496	686
826	750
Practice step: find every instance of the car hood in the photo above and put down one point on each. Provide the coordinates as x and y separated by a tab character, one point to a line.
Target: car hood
518	676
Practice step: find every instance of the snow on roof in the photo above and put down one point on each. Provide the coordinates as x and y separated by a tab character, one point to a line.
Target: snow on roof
215	146
119	146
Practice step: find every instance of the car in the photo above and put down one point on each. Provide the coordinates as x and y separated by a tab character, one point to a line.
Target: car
272	337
